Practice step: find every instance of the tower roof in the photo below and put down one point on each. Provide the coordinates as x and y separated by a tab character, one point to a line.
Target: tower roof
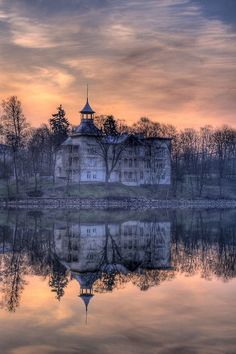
87	127
86	299
87	109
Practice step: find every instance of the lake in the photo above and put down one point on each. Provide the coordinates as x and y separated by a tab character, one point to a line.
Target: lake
143	282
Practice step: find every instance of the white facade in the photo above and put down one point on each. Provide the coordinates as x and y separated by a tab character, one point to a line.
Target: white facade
141	160
88	247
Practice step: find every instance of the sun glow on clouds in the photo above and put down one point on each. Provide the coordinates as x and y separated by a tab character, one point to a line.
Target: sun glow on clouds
163	58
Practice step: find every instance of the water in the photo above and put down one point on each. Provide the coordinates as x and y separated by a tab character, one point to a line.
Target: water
118	282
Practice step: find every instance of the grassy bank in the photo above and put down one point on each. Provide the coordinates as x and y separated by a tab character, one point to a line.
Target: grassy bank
116	190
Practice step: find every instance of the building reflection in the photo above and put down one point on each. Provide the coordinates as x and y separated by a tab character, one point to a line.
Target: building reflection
105	252
103	256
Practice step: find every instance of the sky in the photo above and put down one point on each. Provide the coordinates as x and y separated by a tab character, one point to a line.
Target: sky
173	61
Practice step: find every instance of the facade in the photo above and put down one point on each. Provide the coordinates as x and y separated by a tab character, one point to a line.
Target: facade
87	248
92	251
131	159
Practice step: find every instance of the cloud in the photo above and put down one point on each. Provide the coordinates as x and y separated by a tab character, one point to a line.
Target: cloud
162	58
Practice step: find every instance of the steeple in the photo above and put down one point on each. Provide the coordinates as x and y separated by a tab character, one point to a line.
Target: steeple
87	112
87	126
86	281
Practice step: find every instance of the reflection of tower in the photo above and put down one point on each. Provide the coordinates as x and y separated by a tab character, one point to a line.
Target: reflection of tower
86	281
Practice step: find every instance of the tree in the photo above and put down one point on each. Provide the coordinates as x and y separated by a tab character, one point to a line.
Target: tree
224	142
110	126
15	130
111	146
59	126
60	129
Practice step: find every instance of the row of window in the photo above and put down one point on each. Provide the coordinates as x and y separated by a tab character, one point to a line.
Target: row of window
91	175
92	149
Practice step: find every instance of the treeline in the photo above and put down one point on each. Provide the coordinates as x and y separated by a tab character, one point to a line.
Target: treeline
200	158
27	242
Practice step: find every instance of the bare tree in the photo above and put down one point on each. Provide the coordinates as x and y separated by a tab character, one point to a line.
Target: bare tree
15	130
224	141
111	145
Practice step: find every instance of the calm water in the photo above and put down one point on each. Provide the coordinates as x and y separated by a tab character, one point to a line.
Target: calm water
112	282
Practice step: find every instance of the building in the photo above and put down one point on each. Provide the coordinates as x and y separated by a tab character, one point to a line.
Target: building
131	159
95	253
90	247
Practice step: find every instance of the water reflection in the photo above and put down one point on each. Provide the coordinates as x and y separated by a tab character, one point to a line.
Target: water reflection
105	251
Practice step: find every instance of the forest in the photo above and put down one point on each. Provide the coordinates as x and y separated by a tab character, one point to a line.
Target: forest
203	160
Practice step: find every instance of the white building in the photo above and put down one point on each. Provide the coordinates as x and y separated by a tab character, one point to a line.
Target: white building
87	247
88	156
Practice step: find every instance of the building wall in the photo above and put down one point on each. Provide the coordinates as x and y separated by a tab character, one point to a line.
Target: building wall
87	247
81	161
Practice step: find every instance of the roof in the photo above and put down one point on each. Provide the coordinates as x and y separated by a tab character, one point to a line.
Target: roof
68	141
87	108
125	137
86	280
115	139
86	299
87	127
159	138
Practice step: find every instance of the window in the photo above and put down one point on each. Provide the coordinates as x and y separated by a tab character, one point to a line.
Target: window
130	175
130	162
161	152
88	175
135	163
91	150
141	174
125	162
94	176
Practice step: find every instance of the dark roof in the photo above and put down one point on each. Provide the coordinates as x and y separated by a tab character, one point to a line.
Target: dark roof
68	141
87	127
159	138
87	109
125	137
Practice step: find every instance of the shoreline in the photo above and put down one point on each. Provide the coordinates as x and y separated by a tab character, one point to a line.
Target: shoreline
116	203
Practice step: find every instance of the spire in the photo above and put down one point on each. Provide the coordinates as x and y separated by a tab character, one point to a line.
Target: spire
87	110
86	299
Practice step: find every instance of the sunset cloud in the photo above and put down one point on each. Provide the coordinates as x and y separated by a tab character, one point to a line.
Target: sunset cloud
167	59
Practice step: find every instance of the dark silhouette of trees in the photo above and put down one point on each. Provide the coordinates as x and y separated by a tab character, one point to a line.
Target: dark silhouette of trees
15	130
59	125
111	145
58	279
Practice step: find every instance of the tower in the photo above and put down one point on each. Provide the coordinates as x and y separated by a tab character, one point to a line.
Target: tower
87	126
87	112
86	281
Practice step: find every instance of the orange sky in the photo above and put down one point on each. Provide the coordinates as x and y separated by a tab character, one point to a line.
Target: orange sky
176	64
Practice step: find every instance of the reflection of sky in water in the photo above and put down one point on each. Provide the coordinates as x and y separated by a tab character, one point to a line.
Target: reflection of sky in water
188	308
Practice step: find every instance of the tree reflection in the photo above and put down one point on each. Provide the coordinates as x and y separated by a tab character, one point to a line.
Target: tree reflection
106	255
